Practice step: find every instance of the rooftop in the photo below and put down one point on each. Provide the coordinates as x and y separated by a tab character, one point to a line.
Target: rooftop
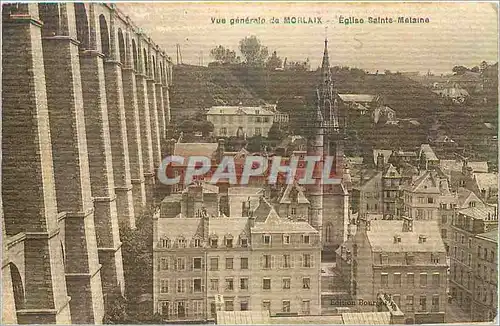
181	227
382	232
456	165
195	149
486	180
490	235
366	318
357	97
242	317
275	224
429	153
480	213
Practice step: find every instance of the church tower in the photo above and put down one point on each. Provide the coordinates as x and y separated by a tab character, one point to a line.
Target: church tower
328	210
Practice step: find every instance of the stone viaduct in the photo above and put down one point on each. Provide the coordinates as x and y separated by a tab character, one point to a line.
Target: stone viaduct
85	114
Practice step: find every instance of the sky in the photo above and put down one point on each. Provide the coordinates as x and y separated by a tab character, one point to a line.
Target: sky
457	34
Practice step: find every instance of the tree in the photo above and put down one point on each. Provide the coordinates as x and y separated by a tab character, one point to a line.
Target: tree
224	56
475	69
253	51
275	133
459	70
274	62
255	144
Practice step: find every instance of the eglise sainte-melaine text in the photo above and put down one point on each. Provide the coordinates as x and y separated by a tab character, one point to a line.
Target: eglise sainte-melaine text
383	20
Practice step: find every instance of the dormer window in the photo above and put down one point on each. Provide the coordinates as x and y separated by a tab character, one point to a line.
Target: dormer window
286	239
244	243
166	243
422	238
181	243
305	239
213	242
266	239
229	243
197	243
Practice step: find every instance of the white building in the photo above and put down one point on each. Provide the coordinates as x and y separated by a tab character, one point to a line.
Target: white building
240	121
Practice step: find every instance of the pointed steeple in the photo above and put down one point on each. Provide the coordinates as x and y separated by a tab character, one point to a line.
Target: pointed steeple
325	66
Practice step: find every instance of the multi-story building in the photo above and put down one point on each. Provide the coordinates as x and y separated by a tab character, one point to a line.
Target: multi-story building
470	273
485	303
241	121
403	258
259	261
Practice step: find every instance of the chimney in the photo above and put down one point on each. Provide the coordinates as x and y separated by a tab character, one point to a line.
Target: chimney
251	221
380	161
206	226
221	148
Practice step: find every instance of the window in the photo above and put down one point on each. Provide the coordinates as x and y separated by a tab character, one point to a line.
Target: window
306	283
422	304
267	261
164	263
181	263
444	233
229	263
462	240
197	263
286	283
198	307
409	303
436	280
423	279
397	279
164	308
213	242
243	305
384	280
214	285
469	259
197	243
229	305
307	260
410	279
430	200
258	131
286	239
214	264
165	243
286	261
229	243
244	283
229	284
197	287
266	284
181	286
163	286
293	211
397	300
266	305
244	243
306	307
306	239
267	239
286	306
435	258
244	263
223	131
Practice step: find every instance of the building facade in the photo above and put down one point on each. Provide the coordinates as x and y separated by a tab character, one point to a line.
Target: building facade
256	262
472	257
240	121
403	258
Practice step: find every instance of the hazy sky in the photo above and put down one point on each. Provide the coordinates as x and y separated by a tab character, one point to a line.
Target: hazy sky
458	33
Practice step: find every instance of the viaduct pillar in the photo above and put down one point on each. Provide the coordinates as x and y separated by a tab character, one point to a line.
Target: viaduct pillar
28	187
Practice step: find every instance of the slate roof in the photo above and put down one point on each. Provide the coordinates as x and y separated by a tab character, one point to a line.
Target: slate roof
276	224
479	213
486	180
262	211
464	196
386	152
357	97
195	149
243	317
456	165
222	226
301	198
490	235
382	232
234	110
366	318
174	228
429	153
206	187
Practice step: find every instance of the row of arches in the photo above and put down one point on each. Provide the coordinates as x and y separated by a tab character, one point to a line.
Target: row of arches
53	16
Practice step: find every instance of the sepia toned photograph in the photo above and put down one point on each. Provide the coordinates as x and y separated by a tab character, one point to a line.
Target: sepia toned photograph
242	163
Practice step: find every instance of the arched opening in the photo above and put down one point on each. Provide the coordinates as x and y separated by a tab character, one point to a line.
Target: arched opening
103	28
82	25
153	72
134	54
63	255
121	46
50	16
145	58
161	72
17	285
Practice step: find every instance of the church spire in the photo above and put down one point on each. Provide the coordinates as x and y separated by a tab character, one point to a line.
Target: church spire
325	67
326	61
